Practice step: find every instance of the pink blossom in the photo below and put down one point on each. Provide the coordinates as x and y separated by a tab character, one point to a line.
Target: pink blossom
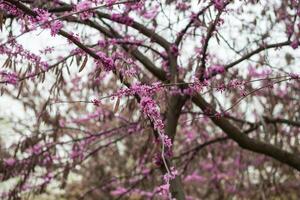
46	21
259	73
88	117
110	2
170	176
207	166
295	44
281	92
11	9
108	63
55	27
96	102
150	109
43	16
9	77
194	178
102	43
193	17
118	191
164	190
190	135
215	69
235	84
182	6
146	171
195	87
62	123
84	6
151	14
36	149
167	141
77	151
219	4
174	50
9	162
47	50
48	177
290	29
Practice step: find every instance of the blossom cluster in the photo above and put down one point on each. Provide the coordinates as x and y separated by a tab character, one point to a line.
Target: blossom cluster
182	6
219	4
253	72
213	70
46	21
195	87
164	190
83	7
149	108
11	9
9	77
43	18
151	13
17	51
105	61
141	89
110	63
174	50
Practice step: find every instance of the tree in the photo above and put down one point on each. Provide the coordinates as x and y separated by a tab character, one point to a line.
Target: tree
151	99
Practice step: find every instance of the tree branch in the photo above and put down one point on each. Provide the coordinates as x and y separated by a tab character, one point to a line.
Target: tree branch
245	142
200	70
183	31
